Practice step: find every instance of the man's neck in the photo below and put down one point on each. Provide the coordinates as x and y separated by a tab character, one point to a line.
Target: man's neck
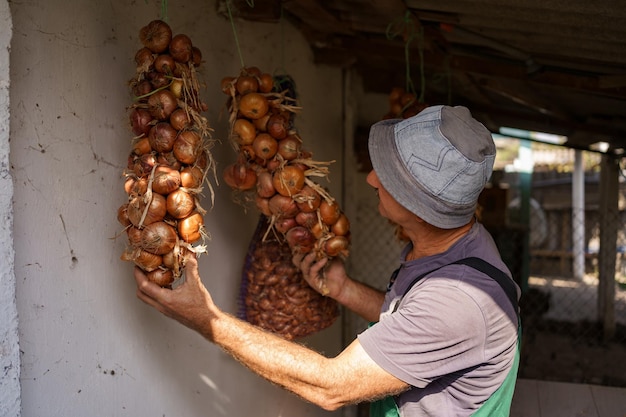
429	240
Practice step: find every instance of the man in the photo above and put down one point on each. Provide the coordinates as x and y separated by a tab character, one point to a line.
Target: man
449	346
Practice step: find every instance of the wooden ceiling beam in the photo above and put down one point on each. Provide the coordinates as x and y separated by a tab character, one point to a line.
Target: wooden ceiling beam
366	51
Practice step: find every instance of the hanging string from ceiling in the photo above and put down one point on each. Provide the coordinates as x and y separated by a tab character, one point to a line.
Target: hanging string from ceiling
232	24
283	82
406	28
164	11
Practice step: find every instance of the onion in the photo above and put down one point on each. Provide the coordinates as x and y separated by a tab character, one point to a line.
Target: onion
134	236
319	229
142	88
140	121
246	84
156	210
300	239
161	277
226	84
161	104
395	109
289	180
308	199
266	82
283	225
158	238
142	147
176	87
247	152
341	227
244	132
307	220
136	186
395	94
146	260
329	212
253	105
196	56
202	161
180	204
337	246
289	148
144	58
162	137
158	79
407	99
190	227
166	180
129	182
239	176
175	259
271	165
156	36
122	215
282	206
181	48
263	204
143	164
164	64
191	177
265	146
179	119
261	123
168	159
187	147
252	70
264	186
183	70
278	126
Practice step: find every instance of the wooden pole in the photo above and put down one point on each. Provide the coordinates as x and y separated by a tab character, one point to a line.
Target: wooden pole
609	193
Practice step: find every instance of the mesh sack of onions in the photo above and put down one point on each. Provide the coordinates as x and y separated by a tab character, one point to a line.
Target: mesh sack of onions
275	296
170	157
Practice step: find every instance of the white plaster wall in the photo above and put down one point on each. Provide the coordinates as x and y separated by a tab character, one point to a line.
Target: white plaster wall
88	347
9	350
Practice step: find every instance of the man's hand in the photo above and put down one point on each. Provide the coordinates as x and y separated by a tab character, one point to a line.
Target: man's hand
190	303
323	275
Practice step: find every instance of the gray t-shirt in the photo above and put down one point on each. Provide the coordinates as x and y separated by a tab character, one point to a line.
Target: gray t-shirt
453	337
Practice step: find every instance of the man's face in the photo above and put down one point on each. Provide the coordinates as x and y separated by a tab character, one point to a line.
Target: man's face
387	205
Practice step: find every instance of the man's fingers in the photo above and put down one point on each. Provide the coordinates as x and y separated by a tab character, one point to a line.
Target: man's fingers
144	286
318	266
191	268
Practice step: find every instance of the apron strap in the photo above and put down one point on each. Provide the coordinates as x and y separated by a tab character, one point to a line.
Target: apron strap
486	268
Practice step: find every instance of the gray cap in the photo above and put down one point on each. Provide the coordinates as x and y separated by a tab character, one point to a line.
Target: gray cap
435	163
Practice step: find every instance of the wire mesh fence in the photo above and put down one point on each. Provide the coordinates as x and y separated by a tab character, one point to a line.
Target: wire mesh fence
574	303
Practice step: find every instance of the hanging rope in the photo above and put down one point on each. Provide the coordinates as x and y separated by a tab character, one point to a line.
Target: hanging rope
445	77
282	38
420	49
405	27
232	24
164	16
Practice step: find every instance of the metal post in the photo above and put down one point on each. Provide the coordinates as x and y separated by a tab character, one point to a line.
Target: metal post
578	216
525	177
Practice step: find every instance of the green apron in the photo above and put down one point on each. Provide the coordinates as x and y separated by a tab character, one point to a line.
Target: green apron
499	403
